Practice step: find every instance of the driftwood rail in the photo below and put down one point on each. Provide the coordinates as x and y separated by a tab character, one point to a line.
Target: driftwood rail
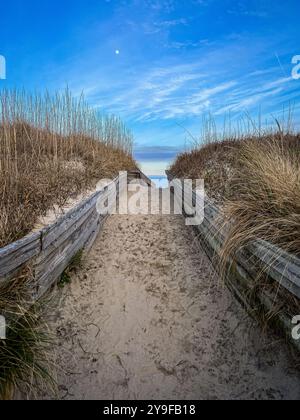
262	276
50	250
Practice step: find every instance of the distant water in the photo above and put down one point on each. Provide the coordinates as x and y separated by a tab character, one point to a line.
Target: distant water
161	181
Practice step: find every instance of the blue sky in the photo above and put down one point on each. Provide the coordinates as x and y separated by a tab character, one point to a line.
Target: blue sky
176	61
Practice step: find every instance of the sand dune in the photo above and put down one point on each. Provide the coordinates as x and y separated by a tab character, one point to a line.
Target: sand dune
147	318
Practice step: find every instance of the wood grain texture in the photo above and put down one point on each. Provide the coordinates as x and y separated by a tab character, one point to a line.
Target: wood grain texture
51	249
279	265
13	256
258	258
137	174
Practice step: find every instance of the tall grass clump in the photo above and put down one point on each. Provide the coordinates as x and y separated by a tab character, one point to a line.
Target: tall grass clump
252	171
266	199
25	356
26	353
256	182
52	147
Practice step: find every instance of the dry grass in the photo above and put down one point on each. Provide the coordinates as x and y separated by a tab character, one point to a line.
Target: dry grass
214	162
257	183
25	354
51	149
266	199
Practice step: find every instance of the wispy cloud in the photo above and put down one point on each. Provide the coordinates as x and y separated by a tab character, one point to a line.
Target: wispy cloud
249	9
174	65
173	91
246	97
176	59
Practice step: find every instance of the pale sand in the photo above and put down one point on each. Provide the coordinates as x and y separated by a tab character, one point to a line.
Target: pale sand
146	318
57	211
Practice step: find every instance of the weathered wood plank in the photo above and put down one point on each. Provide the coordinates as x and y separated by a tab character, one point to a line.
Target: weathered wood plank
47	256
65	222
16	246
278	265
52	242
95	233
15	255
137	174
294	260
81	224
259	258
82	234
60	262
68	221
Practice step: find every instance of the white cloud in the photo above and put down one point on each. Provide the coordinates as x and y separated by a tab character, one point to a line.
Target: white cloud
246	102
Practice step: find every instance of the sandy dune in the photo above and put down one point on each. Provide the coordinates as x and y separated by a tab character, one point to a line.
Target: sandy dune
146	318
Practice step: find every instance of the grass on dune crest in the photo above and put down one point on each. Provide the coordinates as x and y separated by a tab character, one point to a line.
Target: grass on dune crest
266	199
52	148
256	181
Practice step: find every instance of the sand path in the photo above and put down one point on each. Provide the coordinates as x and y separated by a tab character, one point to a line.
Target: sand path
146	318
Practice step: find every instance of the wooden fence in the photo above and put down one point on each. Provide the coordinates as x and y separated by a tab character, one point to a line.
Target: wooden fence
262	276
137	174
50	250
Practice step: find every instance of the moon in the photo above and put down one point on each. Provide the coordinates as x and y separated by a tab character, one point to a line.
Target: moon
117	52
